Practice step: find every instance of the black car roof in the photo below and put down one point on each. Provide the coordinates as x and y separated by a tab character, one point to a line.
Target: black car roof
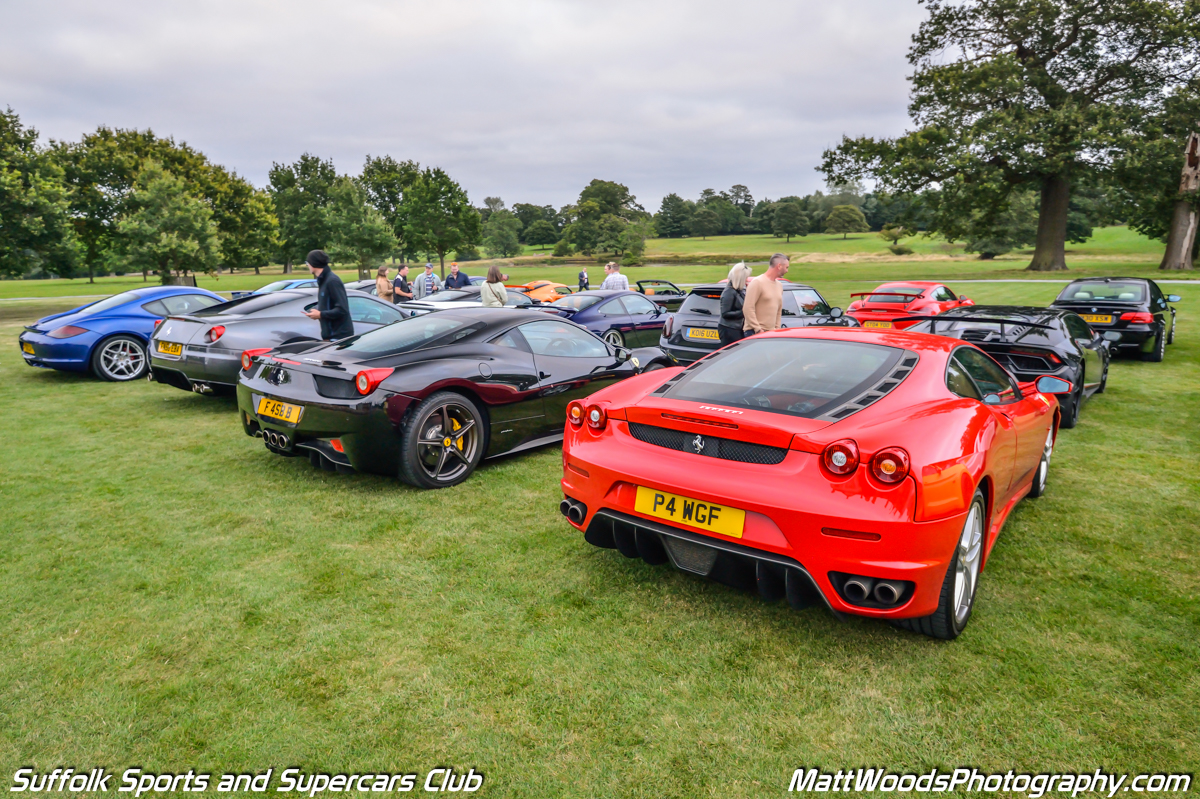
1107	279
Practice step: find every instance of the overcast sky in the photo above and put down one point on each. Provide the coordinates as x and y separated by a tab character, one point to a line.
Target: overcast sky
527	100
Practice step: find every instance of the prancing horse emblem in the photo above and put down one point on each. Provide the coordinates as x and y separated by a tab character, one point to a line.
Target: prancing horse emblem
698	444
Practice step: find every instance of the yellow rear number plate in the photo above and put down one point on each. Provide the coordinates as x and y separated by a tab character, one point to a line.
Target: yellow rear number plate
1096	319
279	410
702	333
877	324
167	348
26	348
690	512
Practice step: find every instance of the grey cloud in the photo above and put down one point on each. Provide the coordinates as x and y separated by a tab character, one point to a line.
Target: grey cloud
527	99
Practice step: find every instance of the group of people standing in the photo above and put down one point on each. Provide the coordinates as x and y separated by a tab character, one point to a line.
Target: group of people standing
401	289
613	279
752	306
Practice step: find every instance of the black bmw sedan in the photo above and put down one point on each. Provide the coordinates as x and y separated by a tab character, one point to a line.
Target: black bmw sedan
1031	342
1134	307
427	398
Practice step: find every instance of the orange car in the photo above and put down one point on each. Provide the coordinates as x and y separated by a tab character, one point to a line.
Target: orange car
542	290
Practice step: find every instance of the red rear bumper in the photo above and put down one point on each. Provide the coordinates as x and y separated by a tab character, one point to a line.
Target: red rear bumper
881	316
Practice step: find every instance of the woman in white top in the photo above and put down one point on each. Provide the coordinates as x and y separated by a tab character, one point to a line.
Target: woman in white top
493	293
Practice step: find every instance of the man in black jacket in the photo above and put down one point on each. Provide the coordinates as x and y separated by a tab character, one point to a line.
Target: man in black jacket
333	309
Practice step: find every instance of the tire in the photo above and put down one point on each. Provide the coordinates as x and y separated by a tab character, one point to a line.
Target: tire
1171	335
1103	378
1070	411
431	459
1043	468
614	338
120	359
654	367
957	598
1160	349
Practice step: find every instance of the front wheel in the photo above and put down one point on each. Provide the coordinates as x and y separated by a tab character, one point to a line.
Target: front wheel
1160	349
442	441
1103	379
957	598
614	338
120	359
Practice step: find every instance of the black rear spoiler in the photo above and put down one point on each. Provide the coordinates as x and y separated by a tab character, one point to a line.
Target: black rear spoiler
932	320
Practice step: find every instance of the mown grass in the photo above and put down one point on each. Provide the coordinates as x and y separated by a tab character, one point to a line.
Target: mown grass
174	596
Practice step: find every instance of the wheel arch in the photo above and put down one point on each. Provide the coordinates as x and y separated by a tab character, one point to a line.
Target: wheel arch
106	337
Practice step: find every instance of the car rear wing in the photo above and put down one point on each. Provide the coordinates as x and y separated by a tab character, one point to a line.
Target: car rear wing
933	320
912	297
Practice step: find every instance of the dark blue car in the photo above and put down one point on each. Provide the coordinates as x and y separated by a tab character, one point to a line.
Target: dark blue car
109	337
622	318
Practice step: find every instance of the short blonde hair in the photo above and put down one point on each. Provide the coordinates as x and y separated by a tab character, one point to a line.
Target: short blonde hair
738	276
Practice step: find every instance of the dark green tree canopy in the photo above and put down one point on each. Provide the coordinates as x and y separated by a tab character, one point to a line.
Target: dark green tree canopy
673	216
704	223
501	234
789	220
844	219
386	181
358	232
440	216
612	198
540	233
166	229
301	191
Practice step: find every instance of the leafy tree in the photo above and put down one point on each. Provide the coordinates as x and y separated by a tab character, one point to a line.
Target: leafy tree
583	230
301	192
1025	93
740	196
529	214
845	219
893	233
789	220
612	198
245	218
732	217
995	233
562	249
35	222
167	230
611	227
673	216
704	223
540	233
386	181
633	241
358	233
439	215
501	234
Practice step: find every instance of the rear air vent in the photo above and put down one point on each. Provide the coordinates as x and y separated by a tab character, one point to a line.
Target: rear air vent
707	446
875	392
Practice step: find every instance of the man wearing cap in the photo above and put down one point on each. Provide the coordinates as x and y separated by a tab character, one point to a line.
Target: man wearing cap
333	309
428	283
457	279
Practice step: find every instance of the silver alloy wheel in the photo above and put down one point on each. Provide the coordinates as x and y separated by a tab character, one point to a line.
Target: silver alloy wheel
1044	465
448	441
122	359
614	338
970	553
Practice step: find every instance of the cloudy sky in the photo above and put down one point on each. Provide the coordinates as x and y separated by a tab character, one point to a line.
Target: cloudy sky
523	99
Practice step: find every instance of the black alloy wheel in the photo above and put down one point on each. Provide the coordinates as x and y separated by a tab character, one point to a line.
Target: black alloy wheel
1070	408
120	359
442	441
1160	348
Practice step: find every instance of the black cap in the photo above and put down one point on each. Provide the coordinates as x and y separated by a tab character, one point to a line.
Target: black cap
317	258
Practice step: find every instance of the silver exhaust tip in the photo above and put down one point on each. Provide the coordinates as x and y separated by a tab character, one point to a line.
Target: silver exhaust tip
858	589
888	592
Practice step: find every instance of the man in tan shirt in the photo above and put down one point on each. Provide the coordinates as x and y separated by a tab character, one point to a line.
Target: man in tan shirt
763	308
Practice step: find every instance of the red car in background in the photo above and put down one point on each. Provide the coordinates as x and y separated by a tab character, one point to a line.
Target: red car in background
911	298
870	471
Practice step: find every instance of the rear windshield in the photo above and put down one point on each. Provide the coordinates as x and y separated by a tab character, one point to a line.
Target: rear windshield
414	333
111	302
278	285
899	295
244	306
577	301
802	377
706	304
451	295
1103	292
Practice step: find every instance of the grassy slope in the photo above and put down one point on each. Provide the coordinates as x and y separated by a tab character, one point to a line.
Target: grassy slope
175	596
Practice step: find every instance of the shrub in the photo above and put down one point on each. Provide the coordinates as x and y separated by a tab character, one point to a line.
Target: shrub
562	249
900	249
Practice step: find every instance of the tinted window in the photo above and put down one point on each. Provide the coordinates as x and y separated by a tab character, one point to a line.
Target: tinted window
577	301
451	295
805	377
1098	290
1077	327
247	305
704	304
943	294
958	381
612	308
804	302
987	374
188	303
278	285
414	333
374	313
513	339
517	299
562	340
111	302
638	306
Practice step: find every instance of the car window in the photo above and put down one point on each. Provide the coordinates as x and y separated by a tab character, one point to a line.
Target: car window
188	303
1078	328
804	302
562	340
958	381
705	303
943	294
1099	290
517	300
612	308
373	313
637	305
111	302
278	285
513	339
987	374
414	333
1156	295
900	295
577	301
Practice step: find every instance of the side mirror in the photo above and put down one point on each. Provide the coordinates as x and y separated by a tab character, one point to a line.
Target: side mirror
966	300
1048	384
658	309
1111	335
992	399
835	313
1174	298
623	355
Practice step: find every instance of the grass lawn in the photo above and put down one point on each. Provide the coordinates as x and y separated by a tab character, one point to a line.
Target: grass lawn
174	596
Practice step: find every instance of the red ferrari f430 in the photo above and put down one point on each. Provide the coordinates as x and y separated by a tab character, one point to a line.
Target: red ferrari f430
867	470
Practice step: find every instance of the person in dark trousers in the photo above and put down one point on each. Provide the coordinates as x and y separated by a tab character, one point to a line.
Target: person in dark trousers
402	290
729	328
457	279
333	308
583	280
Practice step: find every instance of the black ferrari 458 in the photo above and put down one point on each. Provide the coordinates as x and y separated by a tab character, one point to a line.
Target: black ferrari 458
1134	308
428	397
1031	342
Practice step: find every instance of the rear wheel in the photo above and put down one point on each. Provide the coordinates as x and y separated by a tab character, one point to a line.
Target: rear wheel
1160	349
1043	468
442	441
614	338
119	359
1103	380
1070	409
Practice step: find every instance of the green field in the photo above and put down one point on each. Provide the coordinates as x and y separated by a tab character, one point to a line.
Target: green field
175	596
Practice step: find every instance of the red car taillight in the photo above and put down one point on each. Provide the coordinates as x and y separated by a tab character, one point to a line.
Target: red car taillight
669	326
1050	356
575	413
890	465
596	417
157	322
369	379
248	357
215	333
66	332
1138	318
840	457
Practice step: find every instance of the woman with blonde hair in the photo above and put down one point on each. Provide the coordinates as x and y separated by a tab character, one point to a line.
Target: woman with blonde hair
493	293
729	328
383	286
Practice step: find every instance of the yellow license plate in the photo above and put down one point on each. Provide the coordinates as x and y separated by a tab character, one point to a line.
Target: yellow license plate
167	348
699	332
279	410
877	324
26	348
690	512
1096	319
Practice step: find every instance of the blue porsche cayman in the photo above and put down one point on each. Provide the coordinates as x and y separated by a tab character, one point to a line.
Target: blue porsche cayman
109	337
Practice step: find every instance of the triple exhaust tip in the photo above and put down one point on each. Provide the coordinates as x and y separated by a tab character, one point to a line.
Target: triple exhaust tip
862	589
277	439
575	511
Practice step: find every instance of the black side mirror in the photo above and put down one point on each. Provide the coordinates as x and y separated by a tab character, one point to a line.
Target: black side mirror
623	355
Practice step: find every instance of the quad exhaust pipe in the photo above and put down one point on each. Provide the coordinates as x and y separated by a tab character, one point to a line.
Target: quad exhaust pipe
574	510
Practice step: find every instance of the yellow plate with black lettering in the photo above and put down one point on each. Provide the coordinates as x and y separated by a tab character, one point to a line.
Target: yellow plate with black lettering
690	512
168	348
26	348
279	410
1096	319
702	333
876	324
